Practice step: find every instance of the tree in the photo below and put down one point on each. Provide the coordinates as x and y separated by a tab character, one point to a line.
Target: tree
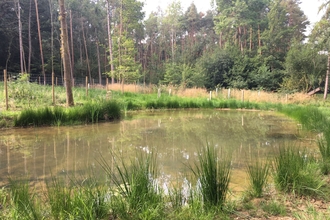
304	68
65	54
320	36
40	42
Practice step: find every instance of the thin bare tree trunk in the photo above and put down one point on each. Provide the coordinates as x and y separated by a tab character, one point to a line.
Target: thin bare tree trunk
327	79
30	44
109	15
65	54
40	42
21	50
98	61
52	34
259	40
72	51
86	51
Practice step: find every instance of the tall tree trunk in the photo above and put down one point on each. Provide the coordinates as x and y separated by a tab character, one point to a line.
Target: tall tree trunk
65	54
30	43
98	61
21	50
119	44
40	42
52	34
72	51
259	40
327	79
86	51
251	35
109	16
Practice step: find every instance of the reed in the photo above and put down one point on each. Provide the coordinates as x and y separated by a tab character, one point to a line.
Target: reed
135	190
324	148
213	173
296	172
258	175
24	201
59	198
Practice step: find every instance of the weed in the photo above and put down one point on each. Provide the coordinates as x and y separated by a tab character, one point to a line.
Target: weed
274	207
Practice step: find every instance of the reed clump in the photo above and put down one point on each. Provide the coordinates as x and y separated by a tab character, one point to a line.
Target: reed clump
213	174
297	172
258	173
135	190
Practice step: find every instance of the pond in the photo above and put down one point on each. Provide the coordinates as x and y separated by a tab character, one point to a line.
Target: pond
175	136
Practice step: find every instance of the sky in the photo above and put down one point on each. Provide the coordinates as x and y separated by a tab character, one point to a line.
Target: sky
310	7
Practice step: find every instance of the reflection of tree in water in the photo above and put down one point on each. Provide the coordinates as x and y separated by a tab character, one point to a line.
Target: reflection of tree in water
175	136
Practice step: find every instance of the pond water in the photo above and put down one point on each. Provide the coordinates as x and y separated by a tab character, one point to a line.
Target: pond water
175	136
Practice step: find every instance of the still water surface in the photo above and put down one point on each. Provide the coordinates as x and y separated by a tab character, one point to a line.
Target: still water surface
176	137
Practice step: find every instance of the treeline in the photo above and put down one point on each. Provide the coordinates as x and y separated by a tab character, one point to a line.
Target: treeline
245	44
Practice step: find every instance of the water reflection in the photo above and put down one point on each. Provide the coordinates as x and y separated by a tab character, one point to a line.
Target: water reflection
175	136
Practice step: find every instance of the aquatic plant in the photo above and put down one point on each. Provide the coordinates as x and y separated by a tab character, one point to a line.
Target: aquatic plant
213	174
296	172
24	202
324	148
135	190
258	175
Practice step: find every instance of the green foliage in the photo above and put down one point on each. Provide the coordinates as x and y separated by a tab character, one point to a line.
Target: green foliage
183	75
305	68
216	66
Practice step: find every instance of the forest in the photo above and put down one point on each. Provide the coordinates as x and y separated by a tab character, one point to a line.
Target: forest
243	44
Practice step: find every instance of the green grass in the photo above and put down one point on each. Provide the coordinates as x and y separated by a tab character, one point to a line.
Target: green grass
213	172
258	176
89	113
24	203
274	208
297	172
135	188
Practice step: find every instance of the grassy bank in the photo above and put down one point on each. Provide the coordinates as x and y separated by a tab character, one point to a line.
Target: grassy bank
31	104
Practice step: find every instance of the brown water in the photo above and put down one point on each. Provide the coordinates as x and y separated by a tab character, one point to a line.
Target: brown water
175	136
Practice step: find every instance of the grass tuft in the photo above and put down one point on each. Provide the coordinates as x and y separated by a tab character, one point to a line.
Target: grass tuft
213	173
258	175
295	172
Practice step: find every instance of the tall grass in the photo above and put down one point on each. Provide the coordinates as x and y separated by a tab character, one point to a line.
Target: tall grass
258	175
135	190
24	202
88	113
213	173
296	172
77	201
324	148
